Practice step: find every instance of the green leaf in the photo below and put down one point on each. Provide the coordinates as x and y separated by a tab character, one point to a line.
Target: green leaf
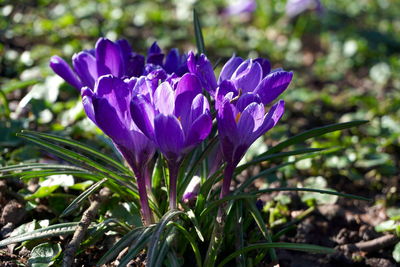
44	255
77	201
151	253
291	246
262	226
312	133
198	33
137	246
255	194
192	242
53	230
43	191
80	147
386	226
396	253
193	219
120	245
19	85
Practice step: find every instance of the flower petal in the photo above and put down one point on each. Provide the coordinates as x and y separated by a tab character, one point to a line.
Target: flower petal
265	65
272	118
142	113
169	136
108	120
109	58
86	67
247	76
229	68
164	99
199	130
62	69
202	67
87	95
188	82
273	85
172	61
154	55
250	120
246	99
117	94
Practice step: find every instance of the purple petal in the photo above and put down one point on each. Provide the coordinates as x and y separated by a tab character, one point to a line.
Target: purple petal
172	61
134	65
169	136
225	88
246	100
272	118
117	94
240	7
265	65
109	60
229	68
247	76
154	55
109	121
86	67
226	121
183	105
202	67
164	99
273	85
199	107
62	69
142	113
188	82
87	95
250	120
199	130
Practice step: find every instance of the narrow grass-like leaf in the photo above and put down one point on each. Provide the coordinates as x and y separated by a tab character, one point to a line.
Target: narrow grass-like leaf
261	225
151	253
137	246
280	155
77	201
291	246
192	242
81	147
198	33
53	230
250	180
19	85
239	245
192	217
312	133
36	166
202	157
120	245
255	194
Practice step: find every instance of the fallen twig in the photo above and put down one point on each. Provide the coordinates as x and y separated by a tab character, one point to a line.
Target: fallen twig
87	217
371	245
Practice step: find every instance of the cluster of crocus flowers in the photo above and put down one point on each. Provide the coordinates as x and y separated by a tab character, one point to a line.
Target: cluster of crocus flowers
149	104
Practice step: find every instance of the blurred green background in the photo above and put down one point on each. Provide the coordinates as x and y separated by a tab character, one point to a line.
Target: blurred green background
346	64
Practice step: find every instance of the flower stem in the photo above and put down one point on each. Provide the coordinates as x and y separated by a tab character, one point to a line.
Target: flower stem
228	174
173	177
144	200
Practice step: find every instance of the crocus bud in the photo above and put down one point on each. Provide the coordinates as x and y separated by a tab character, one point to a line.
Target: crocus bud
192	190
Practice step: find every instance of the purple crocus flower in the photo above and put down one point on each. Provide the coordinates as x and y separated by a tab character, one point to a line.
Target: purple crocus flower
296	7
245	88
115	58
176	116
241	7
202	68
107	105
